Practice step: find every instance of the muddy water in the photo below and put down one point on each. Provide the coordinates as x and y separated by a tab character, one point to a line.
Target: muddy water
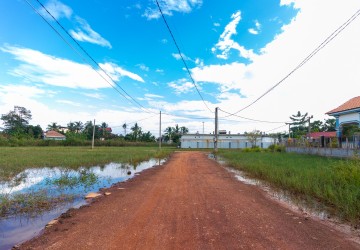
56	182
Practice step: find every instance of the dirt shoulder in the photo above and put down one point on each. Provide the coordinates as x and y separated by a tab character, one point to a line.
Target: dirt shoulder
188	203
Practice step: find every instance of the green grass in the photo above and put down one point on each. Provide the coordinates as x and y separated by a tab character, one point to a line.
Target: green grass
14	160
332	182
30	204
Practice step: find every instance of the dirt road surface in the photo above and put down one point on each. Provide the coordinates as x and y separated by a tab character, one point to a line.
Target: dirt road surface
191	202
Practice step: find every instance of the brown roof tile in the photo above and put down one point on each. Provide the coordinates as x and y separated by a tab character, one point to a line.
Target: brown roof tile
316	135
53	133
351	104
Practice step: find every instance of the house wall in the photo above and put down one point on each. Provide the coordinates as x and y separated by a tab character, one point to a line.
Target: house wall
224	141
348	118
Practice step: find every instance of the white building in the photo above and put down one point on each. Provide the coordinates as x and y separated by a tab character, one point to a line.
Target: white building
224	141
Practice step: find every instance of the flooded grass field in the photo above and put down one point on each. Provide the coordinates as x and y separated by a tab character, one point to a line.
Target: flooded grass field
36	196
333	183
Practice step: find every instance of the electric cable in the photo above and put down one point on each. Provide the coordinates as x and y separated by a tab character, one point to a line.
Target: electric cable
312	54
250	119
182	58
86	61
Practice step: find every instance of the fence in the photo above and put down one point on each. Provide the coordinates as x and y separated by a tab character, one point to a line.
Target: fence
345	147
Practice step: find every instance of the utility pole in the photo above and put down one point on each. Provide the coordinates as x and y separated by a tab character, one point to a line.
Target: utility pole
216	131
289	129
93	136
160	132
203	127
309	128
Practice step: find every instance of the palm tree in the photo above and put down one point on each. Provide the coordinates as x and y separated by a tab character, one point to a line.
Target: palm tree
53	126
71	126
79	126
103	127
184	130
168	132
136	131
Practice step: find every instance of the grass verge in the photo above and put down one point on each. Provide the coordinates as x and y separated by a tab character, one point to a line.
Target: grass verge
14	160
332	182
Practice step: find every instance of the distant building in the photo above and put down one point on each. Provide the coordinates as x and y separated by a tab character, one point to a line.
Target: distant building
224	141
53	135
63	129
346	113
317	135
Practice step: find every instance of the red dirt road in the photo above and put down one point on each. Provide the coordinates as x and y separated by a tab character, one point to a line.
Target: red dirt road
189	203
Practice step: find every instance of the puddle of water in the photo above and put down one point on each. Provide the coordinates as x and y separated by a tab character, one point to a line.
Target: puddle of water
58	182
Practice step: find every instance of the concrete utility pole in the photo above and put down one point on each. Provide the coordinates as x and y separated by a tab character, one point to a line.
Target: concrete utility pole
289	129
160	132
216	131
93	136
203	127
309	129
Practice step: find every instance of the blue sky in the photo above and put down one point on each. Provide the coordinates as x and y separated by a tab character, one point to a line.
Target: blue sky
235	51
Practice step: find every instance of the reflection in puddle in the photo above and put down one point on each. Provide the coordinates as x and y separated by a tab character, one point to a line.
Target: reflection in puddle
54	183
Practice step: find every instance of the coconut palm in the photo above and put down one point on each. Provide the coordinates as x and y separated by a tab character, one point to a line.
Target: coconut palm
53	126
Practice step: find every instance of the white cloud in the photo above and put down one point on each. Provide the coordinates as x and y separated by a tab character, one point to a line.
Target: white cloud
143	67
181	86
84	33
68	102
159	71
154	96
217	24
42	68
253	31
170	6
94	95
226	43
256	30
330	78
164	41
116	72
178	57
228	76
57	9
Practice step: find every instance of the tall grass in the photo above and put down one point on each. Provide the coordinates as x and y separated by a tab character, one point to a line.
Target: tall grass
13	160
333	182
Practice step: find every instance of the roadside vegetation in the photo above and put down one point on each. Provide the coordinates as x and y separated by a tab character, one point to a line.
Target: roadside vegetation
13	160
335	183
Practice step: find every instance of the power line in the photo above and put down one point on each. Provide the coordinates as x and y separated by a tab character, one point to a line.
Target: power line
250	119
275	128
182	58
184	117
313	53
84	59
135	121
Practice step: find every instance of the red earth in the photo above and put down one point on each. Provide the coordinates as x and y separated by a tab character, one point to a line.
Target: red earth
191	202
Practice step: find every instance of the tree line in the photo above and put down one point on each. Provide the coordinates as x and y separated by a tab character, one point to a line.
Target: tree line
16	124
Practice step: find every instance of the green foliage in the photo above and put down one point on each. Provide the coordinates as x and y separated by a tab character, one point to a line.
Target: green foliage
276	148
32	203
174	133
333	182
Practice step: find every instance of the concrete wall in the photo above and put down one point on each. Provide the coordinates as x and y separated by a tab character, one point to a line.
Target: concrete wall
224	141
331	152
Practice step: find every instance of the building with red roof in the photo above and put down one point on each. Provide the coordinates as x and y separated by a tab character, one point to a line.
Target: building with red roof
54	135
346	113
